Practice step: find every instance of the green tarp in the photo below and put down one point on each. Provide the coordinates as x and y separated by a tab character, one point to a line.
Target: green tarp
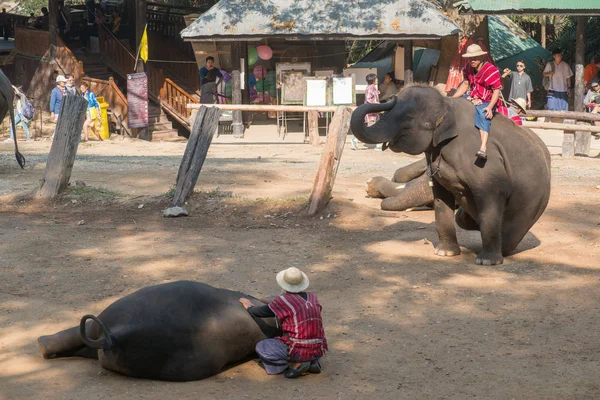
533	6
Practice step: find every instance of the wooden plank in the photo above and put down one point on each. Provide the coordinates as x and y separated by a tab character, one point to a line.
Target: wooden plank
192	162
565	127
579	64
267	107
580	116
313	128
64	147
583	142
330	161
568	146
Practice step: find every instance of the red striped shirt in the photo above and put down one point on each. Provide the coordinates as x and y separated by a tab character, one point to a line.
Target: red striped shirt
483	82
302	325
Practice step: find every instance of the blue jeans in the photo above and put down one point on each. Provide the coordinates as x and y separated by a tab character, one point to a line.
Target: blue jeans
19	120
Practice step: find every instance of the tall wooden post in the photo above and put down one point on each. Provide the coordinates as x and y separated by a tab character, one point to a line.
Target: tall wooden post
140	23
52	26
580	63
408	62
236	85
543	30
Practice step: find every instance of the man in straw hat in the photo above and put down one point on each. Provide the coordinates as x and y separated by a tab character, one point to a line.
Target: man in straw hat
482	78
303	342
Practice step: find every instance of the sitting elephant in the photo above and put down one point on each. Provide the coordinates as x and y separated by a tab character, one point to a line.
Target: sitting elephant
502	196
409	188
7	96
178	331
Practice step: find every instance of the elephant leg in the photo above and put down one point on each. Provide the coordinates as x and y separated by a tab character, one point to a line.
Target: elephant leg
516	223
491	217
66	343
417	193
382	188
410	172
465	221
444	221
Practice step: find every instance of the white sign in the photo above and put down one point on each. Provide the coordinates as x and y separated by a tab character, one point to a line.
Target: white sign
316	92
360	77
343	92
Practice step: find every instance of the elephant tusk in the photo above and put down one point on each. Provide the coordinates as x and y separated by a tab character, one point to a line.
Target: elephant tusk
401	186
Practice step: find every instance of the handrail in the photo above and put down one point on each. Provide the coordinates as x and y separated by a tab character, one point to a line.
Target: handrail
115	53
177	98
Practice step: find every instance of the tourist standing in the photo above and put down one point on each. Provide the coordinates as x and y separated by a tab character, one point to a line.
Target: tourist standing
560	88
93	112
520	85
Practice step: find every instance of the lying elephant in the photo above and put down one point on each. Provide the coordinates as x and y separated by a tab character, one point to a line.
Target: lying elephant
179	331
501	197
409	188
7	97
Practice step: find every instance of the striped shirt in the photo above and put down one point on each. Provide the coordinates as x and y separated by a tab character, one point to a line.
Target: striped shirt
483	82
302	325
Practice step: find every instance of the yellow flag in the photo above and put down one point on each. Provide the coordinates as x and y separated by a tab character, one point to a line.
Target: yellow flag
144	47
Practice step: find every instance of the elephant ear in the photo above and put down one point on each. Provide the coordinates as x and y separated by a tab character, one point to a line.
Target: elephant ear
444	127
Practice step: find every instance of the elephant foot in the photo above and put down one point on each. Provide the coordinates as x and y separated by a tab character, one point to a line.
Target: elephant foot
381	188
447	250
489	259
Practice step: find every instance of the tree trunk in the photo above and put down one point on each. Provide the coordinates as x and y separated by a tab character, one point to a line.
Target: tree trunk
408	62
196	150
543	30
64	147
313	128
236	55
330	161
52	26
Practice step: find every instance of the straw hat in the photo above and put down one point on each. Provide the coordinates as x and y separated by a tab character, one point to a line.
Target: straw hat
61	78
474	50
292	280
520	104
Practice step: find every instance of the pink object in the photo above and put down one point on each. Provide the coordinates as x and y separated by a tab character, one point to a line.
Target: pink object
263	97
264	52
260	72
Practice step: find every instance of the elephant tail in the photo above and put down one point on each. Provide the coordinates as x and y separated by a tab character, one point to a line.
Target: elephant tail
11	113
106	342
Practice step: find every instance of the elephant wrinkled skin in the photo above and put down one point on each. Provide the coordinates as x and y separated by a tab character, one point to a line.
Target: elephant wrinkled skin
501	197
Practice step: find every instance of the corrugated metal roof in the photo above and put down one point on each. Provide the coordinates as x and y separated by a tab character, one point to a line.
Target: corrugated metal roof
533	6
234	19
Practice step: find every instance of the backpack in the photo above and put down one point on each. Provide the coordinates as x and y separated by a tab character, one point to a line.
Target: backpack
28	110
546	79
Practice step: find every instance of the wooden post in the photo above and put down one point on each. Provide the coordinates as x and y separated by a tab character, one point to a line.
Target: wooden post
236	87
64	147
580	64
583	142
408	62
313	128
52	26
330	161
568	146
140	24
543	30
203	130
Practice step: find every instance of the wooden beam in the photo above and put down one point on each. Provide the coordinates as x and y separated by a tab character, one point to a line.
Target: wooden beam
580	116
266	107
408	62
53	26
141	10
330	161
205	53
565	127
64	147
236	86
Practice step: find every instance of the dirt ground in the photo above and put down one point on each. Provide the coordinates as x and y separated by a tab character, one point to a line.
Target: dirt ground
401	322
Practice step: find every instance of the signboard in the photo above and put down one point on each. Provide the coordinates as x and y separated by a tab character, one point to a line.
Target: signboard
343	90
315	93
360	77
137	98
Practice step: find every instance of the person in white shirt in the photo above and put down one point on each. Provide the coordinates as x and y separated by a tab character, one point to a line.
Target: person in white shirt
560	88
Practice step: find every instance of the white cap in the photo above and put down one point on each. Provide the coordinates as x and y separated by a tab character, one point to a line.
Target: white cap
61	78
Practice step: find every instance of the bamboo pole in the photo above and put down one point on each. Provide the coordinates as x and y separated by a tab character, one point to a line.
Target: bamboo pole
564	127
580	116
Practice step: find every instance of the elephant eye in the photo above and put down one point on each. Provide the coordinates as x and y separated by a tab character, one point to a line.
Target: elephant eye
428	125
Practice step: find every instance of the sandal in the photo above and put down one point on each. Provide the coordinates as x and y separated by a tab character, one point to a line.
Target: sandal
481	154
315	367
294	373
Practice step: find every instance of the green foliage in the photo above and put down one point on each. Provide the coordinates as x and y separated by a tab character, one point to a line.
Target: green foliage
565	40
360	48
27	7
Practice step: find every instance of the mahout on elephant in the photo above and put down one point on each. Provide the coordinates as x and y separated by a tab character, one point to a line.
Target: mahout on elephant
7	97
502	196
178	331
410	187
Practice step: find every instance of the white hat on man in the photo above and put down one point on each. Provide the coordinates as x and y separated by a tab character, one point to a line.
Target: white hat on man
474	50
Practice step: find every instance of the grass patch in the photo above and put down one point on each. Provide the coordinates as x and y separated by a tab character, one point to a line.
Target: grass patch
170	193
218	193
93	193
288	201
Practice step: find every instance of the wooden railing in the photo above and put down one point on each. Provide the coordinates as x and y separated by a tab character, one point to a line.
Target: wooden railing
115	53
67	61
112	95
31	42
177	99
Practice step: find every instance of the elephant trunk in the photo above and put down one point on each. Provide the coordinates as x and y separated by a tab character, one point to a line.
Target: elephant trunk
381	132
410	172
416	193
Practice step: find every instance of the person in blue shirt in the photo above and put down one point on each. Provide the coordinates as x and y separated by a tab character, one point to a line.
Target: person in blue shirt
93	112
56	98
209	82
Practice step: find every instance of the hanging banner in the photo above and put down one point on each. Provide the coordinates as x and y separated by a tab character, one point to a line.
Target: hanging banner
137	97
